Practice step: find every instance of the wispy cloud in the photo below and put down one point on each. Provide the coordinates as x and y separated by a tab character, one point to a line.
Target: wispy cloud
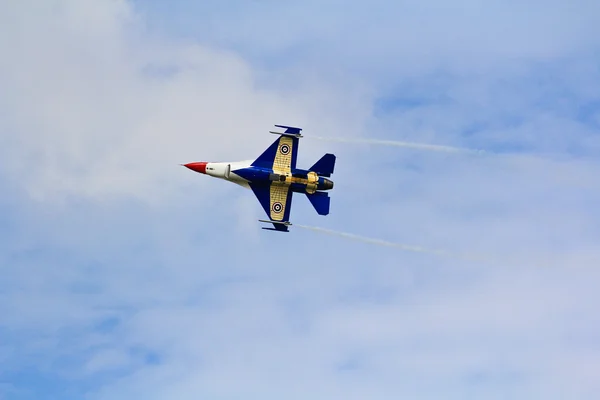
126	276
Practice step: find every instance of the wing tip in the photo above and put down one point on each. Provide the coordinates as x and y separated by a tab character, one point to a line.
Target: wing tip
289	131
280	226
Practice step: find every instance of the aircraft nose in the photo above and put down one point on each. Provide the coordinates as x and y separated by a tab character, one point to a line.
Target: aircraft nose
197	166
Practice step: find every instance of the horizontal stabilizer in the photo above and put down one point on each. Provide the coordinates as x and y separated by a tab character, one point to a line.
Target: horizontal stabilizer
325	166
320	202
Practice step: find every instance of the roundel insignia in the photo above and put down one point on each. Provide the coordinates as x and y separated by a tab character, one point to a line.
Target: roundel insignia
277	207
285	149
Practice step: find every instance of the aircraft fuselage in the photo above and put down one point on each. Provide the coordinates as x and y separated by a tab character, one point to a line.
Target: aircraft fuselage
244	174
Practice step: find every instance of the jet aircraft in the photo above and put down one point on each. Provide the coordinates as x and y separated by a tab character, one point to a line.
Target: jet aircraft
273	177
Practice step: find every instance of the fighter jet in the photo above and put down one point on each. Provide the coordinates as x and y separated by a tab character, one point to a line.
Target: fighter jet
273	177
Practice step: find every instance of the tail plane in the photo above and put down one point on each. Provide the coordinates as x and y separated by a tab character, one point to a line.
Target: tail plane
320	201
325	166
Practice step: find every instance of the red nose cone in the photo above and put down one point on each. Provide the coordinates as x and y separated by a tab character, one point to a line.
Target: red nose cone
197	166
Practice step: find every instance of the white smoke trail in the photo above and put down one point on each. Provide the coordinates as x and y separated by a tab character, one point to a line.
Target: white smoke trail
412	145
562	177
405	247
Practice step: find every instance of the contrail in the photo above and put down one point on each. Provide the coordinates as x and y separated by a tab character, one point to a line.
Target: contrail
412	145
561	177
400	246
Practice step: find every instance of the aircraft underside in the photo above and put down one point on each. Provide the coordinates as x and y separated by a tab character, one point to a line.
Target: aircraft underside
273	177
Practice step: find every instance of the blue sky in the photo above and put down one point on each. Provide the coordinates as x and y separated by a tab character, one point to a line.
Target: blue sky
127	276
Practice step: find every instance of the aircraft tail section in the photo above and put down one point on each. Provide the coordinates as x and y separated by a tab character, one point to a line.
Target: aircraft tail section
320	202
325	166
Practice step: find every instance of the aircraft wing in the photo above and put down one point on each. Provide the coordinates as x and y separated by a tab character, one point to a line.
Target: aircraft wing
276	200
281	155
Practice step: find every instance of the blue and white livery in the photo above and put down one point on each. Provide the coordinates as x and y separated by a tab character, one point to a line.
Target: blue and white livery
273	177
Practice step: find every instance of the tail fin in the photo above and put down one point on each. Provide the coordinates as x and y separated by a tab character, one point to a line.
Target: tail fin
324	167
320	202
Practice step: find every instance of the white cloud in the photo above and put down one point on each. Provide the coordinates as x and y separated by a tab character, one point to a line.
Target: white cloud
389	38
88	116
